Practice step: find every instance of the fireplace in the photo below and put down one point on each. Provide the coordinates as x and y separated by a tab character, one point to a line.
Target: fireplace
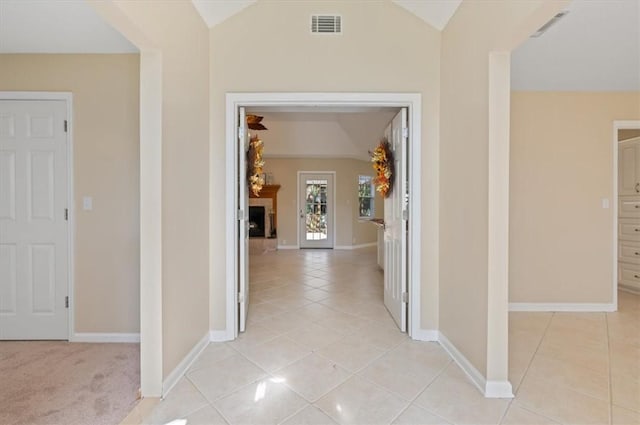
256	222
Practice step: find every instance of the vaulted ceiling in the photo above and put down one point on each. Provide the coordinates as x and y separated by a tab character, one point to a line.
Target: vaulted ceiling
596	46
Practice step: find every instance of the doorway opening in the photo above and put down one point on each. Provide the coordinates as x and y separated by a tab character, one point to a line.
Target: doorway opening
626	178
237	265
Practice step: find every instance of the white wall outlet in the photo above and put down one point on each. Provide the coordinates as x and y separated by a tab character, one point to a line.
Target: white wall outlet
87	203
605	203
284	242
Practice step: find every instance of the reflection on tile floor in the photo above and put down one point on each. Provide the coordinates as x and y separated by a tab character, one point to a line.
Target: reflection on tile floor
321	349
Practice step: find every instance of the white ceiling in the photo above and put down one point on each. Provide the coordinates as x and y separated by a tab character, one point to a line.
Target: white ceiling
50	26
595	47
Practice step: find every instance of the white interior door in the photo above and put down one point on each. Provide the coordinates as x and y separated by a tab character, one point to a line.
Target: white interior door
33	228
243	220
395	233
315	210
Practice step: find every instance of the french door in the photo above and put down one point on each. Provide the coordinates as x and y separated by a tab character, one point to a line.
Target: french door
315	209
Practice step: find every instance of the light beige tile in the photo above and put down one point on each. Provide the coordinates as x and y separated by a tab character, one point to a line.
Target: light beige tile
571	376
313	376
357	401
407	369
625	391
254	335
382	337
415	415
225	376
265	402
560	403
622	416
351	355
310	415
343	323
453	397
262	311
286	322
314	336
276	353
214	353
205	416
516	415
182	400
315	295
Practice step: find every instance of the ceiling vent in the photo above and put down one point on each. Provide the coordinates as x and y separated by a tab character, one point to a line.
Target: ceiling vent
326	24
549	24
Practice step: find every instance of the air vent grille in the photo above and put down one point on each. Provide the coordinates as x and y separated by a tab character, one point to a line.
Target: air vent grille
326	24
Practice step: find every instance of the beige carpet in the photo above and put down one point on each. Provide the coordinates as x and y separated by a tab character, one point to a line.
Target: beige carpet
54	382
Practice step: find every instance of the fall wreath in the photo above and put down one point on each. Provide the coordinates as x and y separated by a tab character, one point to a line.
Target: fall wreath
255	163
383	163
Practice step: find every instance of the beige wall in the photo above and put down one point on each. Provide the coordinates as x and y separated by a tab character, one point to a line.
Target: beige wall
106	167
476	29
176	31
268	47
626	134
561	169
349	230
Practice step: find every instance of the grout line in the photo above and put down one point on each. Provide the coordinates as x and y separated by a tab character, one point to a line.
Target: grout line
606	321
526	370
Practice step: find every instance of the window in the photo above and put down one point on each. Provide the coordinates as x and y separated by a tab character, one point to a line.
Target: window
366	199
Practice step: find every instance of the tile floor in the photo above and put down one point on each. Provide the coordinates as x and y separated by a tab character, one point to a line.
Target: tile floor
321	349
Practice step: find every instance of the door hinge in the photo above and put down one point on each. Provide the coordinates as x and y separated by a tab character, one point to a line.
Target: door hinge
405	214
405	297
66	302
66	214
240	298
240	215
66	128
405	132
240	133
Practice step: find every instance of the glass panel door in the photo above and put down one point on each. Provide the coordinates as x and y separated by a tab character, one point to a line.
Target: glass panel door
316	210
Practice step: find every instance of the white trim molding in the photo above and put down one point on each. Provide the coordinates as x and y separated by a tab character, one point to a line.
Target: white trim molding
184	365
220	336
411	101
429	335
288	247
563	307
105	337
490	389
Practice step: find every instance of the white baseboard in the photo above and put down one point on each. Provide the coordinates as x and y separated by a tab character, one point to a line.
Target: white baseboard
563	307
425	335
220	336
476	377
184	365
498	389
105	337
288	247
350	247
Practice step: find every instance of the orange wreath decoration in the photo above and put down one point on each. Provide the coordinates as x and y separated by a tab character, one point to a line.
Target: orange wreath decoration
255	176
383	163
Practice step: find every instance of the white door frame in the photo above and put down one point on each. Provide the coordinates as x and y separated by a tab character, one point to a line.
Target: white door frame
617	125
66	97
412	101
333	203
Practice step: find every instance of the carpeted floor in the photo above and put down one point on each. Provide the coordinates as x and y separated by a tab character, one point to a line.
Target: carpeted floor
56	382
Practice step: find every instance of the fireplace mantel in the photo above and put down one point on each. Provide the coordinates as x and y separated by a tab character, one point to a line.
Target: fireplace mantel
270	191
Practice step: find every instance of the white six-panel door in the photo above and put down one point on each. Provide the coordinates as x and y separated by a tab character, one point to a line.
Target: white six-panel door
395	219
33	220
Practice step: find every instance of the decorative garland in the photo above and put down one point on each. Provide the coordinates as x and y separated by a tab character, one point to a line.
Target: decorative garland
383	163
255	176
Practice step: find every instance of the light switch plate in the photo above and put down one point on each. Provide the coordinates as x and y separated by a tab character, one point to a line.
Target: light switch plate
87	203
